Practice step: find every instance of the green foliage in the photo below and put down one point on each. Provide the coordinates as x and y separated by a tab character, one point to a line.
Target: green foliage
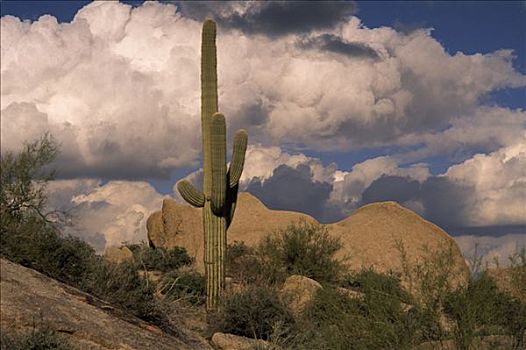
430	281
254	312
512	318
121	285
22	182
517	274
186	285
472	307
29	238
302	249
337	321
369	281
41	338
242	264
42	248
480	308
160	259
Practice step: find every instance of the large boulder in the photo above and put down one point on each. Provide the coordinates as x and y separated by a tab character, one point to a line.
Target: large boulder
182	225
374	235
155	226
118	255
30	298
371	236
297	293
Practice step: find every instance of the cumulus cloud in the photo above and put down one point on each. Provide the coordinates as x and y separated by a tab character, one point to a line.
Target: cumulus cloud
487	190
115	112
105	214
119	86
498	182
349	187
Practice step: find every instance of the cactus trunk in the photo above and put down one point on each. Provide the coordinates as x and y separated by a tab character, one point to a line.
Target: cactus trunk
220	186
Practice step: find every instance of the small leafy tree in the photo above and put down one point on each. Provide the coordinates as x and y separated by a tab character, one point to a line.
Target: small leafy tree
22	182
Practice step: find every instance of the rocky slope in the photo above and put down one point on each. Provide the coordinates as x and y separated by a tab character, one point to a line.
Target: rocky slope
29	298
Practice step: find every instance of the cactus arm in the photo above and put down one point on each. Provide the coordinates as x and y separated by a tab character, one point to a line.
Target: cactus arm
218	150
191	194
238	157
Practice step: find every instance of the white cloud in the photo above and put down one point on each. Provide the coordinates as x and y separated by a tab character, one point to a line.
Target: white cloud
105	214
119	87
498	180
261	161
348	189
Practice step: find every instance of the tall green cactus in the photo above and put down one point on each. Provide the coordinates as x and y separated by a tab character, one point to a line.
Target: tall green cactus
220	186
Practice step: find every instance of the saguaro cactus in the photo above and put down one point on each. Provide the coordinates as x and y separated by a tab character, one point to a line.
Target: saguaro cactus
220	186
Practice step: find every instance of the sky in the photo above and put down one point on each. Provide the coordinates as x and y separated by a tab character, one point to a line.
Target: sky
345	103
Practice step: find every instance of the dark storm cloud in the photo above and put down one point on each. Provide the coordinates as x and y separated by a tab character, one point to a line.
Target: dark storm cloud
493	230
391	188
292	189
272	18
445	201
332	43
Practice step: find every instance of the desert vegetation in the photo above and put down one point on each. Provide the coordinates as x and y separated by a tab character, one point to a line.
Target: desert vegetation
353	309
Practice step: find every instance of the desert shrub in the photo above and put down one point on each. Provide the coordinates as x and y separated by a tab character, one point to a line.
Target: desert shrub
186	285
121	285
336	321
369	281
511	316
160	259
431	280
479	309
41	247
472	307
303	249
517	273
254	312
41	338
29	238
242	263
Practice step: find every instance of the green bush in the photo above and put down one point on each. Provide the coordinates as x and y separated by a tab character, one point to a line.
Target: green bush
254	312
369	281
38	339
188	286
337	321
42	248
160	259
27	237
479	309
303	249
511	316
242	264
121	285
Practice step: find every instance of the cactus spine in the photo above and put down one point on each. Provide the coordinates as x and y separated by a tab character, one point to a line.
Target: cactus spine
220	186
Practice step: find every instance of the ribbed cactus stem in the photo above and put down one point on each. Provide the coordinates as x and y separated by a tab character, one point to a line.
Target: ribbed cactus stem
218	149
220	186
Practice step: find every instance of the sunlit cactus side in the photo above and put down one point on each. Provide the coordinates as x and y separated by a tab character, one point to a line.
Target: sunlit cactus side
220	186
